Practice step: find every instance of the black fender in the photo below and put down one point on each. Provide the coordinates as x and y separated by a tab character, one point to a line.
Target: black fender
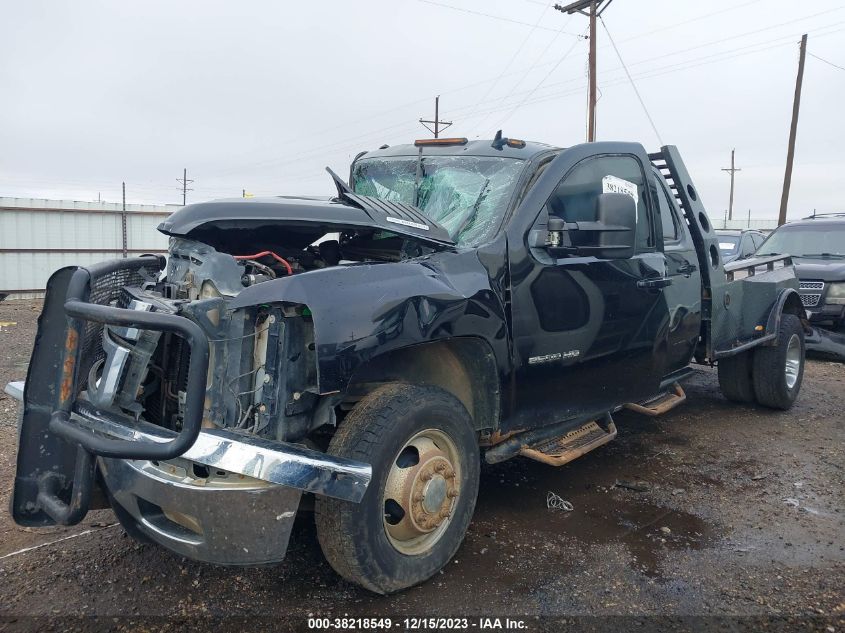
788	301
363	311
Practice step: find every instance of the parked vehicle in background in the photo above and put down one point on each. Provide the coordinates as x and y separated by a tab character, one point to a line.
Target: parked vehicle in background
738	244
483	300
817	246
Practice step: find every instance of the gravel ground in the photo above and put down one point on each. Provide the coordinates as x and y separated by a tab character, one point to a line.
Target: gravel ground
711	510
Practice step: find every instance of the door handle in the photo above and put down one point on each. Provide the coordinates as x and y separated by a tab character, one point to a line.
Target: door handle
687	269
654	282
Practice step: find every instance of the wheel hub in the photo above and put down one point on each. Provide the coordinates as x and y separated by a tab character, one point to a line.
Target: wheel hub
421	491
434	494
792	366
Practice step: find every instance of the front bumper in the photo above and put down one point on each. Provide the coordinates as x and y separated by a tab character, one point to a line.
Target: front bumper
826	312
230	499
219	518
210	493
826	343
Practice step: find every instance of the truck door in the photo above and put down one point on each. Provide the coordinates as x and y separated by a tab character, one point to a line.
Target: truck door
588	333
683	296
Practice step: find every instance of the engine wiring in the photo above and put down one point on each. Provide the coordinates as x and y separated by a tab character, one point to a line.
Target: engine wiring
275	256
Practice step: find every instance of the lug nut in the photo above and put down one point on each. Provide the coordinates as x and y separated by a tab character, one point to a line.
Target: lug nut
452	493
426	476
440	467
445	513
418	498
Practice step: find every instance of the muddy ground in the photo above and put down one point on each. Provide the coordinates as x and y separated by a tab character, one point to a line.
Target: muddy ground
714	509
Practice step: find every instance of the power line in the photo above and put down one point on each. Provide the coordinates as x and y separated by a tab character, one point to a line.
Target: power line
633	85
673	68
825	61
496	81
522	72
540	83
488	15
522	76
690	20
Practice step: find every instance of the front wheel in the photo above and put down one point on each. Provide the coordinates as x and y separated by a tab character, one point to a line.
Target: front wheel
779	370
413	517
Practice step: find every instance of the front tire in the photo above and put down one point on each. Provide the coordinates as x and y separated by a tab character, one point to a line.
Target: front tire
424	453
779	370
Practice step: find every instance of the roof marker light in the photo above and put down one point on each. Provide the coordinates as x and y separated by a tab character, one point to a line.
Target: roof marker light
440	141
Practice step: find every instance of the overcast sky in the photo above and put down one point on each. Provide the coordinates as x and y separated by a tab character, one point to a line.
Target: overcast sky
262	95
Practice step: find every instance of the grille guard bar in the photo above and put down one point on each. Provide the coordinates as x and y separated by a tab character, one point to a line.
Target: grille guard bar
61	435
78	308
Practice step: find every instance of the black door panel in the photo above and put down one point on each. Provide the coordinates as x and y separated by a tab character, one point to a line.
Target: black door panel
587	334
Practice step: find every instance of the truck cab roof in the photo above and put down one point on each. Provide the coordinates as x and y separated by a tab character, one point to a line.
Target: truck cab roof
480	147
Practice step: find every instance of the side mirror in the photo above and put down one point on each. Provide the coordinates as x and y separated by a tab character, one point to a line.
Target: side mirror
610	236
617	213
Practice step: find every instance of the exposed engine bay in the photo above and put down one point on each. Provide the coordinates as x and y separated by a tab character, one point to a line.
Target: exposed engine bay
262	368
262	372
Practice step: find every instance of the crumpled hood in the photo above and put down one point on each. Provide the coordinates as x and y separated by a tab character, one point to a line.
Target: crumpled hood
823	269
311	217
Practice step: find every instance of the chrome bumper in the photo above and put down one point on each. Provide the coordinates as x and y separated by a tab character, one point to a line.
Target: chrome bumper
279	463
220	517
230	499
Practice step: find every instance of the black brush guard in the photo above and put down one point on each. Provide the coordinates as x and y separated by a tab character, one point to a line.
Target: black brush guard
56	467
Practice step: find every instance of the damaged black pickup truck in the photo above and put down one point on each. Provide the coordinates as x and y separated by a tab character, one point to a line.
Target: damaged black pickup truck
456	301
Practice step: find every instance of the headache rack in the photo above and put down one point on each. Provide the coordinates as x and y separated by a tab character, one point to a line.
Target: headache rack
670	165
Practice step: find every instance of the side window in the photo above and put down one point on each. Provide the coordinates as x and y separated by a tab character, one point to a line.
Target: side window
576	197
671	230
747	246
758	240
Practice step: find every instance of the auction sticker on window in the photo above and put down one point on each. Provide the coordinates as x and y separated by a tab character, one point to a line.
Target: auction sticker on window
612	184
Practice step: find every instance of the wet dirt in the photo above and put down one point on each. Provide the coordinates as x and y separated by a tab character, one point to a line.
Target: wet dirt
712	509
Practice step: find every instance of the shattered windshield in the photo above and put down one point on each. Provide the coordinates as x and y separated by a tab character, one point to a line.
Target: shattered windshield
467	195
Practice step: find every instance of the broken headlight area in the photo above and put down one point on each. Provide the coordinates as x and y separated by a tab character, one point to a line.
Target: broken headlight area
261	376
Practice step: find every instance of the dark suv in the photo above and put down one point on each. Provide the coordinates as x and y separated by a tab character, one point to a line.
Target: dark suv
817	244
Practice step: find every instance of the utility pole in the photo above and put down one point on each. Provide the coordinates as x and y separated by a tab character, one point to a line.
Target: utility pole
123	223
793	129
732	170
185	189
437	122
595	10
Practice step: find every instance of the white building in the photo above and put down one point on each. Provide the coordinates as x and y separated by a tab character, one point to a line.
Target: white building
38	236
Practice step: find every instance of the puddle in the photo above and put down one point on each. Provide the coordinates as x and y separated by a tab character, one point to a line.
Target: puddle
513	495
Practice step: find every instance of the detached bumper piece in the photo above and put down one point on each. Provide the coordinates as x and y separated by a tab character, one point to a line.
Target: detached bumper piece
827	343
210	494
211	515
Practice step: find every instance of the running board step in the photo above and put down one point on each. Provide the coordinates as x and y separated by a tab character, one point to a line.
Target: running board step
660	405
561	450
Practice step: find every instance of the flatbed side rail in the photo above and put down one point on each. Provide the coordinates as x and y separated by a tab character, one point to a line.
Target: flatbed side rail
757	265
